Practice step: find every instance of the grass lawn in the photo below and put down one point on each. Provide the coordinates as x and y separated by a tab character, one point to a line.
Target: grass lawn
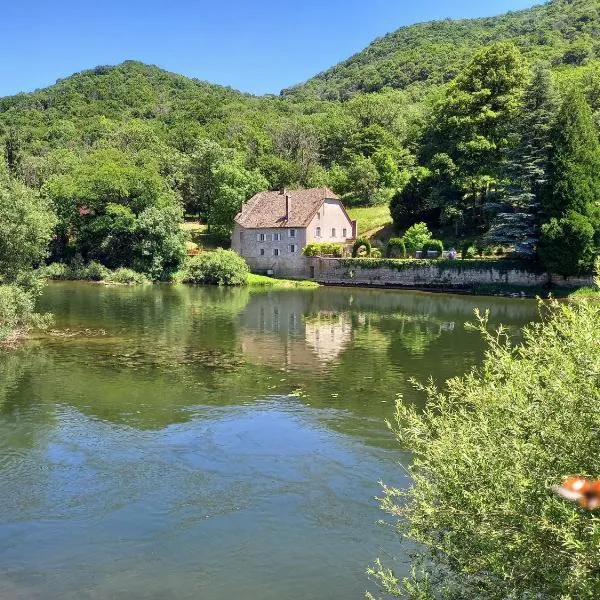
371	217
264	281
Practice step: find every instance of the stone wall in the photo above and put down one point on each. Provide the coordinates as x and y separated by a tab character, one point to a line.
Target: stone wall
428	274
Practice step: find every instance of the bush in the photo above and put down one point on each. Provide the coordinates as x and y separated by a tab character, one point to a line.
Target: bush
395	248
468	250
375	253
324	249
566	246
221	267
486	451
361	247
76	270
416	236
433	246
127	277
17	311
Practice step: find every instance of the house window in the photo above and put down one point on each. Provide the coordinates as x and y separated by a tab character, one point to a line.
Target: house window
261	237
276	237
292	233
318	232
333	232
275	251
241	237
318	215
344	233
293	248
262	251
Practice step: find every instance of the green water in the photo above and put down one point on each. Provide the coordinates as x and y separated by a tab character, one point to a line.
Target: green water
193	443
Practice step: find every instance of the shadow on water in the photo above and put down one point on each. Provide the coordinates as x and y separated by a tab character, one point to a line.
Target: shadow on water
188	442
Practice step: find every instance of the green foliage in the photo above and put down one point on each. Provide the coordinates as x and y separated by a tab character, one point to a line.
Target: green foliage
262	281
323	249
486	450
425	55
118	213
17	311
567	245
75	270
468	250
574	165
396	248
361	247
26	224
416	236
434	246
126	276
221	267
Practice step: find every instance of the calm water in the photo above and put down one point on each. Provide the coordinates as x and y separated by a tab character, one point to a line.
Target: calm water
188	443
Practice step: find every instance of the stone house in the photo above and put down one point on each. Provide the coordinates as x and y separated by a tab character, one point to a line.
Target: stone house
273	228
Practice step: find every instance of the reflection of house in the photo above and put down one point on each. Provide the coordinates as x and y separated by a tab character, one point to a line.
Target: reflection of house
328	334
273	228
278	333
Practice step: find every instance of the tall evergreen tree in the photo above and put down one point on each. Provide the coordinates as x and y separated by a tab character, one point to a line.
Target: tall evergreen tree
526	164
571	194
573	182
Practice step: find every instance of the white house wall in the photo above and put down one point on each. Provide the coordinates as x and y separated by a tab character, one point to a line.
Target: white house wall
330	216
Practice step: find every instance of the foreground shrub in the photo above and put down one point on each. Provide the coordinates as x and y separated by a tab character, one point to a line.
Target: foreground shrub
396	248
221	267
361	247
126	277
324	249
486	451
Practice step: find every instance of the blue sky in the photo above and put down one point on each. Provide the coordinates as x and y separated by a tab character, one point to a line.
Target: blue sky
258	46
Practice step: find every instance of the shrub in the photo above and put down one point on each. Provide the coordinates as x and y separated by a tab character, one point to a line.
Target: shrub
567	245
17	311
127	277
361	247
94	271
468	250
485	452
434	246
221	267
375	253
58	271
395	248
416	236
323	249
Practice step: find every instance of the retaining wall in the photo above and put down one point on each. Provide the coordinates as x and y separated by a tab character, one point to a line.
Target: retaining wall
422	274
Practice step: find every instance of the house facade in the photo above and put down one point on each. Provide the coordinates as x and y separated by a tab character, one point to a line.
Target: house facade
273	228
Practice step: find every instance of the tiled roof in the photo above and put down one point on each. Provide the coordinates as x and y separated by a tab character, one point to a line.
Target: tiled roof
267	209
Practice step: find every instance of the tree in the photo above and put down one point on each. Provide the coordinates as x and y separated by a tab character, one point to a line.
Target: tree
480	517
26	226
571	193
118	213
573	181
471	122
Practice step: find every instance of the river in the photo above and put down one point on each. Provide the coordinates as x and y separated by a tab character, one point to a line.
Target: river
201	443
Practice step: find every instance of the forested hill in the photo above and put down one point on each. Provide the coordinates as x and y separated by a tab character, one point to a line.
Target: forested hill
563	32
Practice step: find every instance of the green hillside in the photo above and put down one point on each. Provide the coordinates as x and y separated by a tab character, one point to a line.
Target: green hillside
562	32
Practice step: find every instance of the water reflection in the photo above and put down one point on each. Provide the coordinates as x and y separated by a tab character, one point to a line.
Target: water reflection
191	442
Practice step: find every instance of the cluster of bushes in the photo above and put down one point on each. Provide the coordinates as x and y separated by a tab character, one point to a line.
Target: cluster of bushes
92	271
324	249
221	267
473	249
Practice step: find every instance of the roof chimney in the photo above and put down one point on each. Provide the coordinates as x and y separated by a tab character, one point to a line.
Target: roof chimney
287	207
